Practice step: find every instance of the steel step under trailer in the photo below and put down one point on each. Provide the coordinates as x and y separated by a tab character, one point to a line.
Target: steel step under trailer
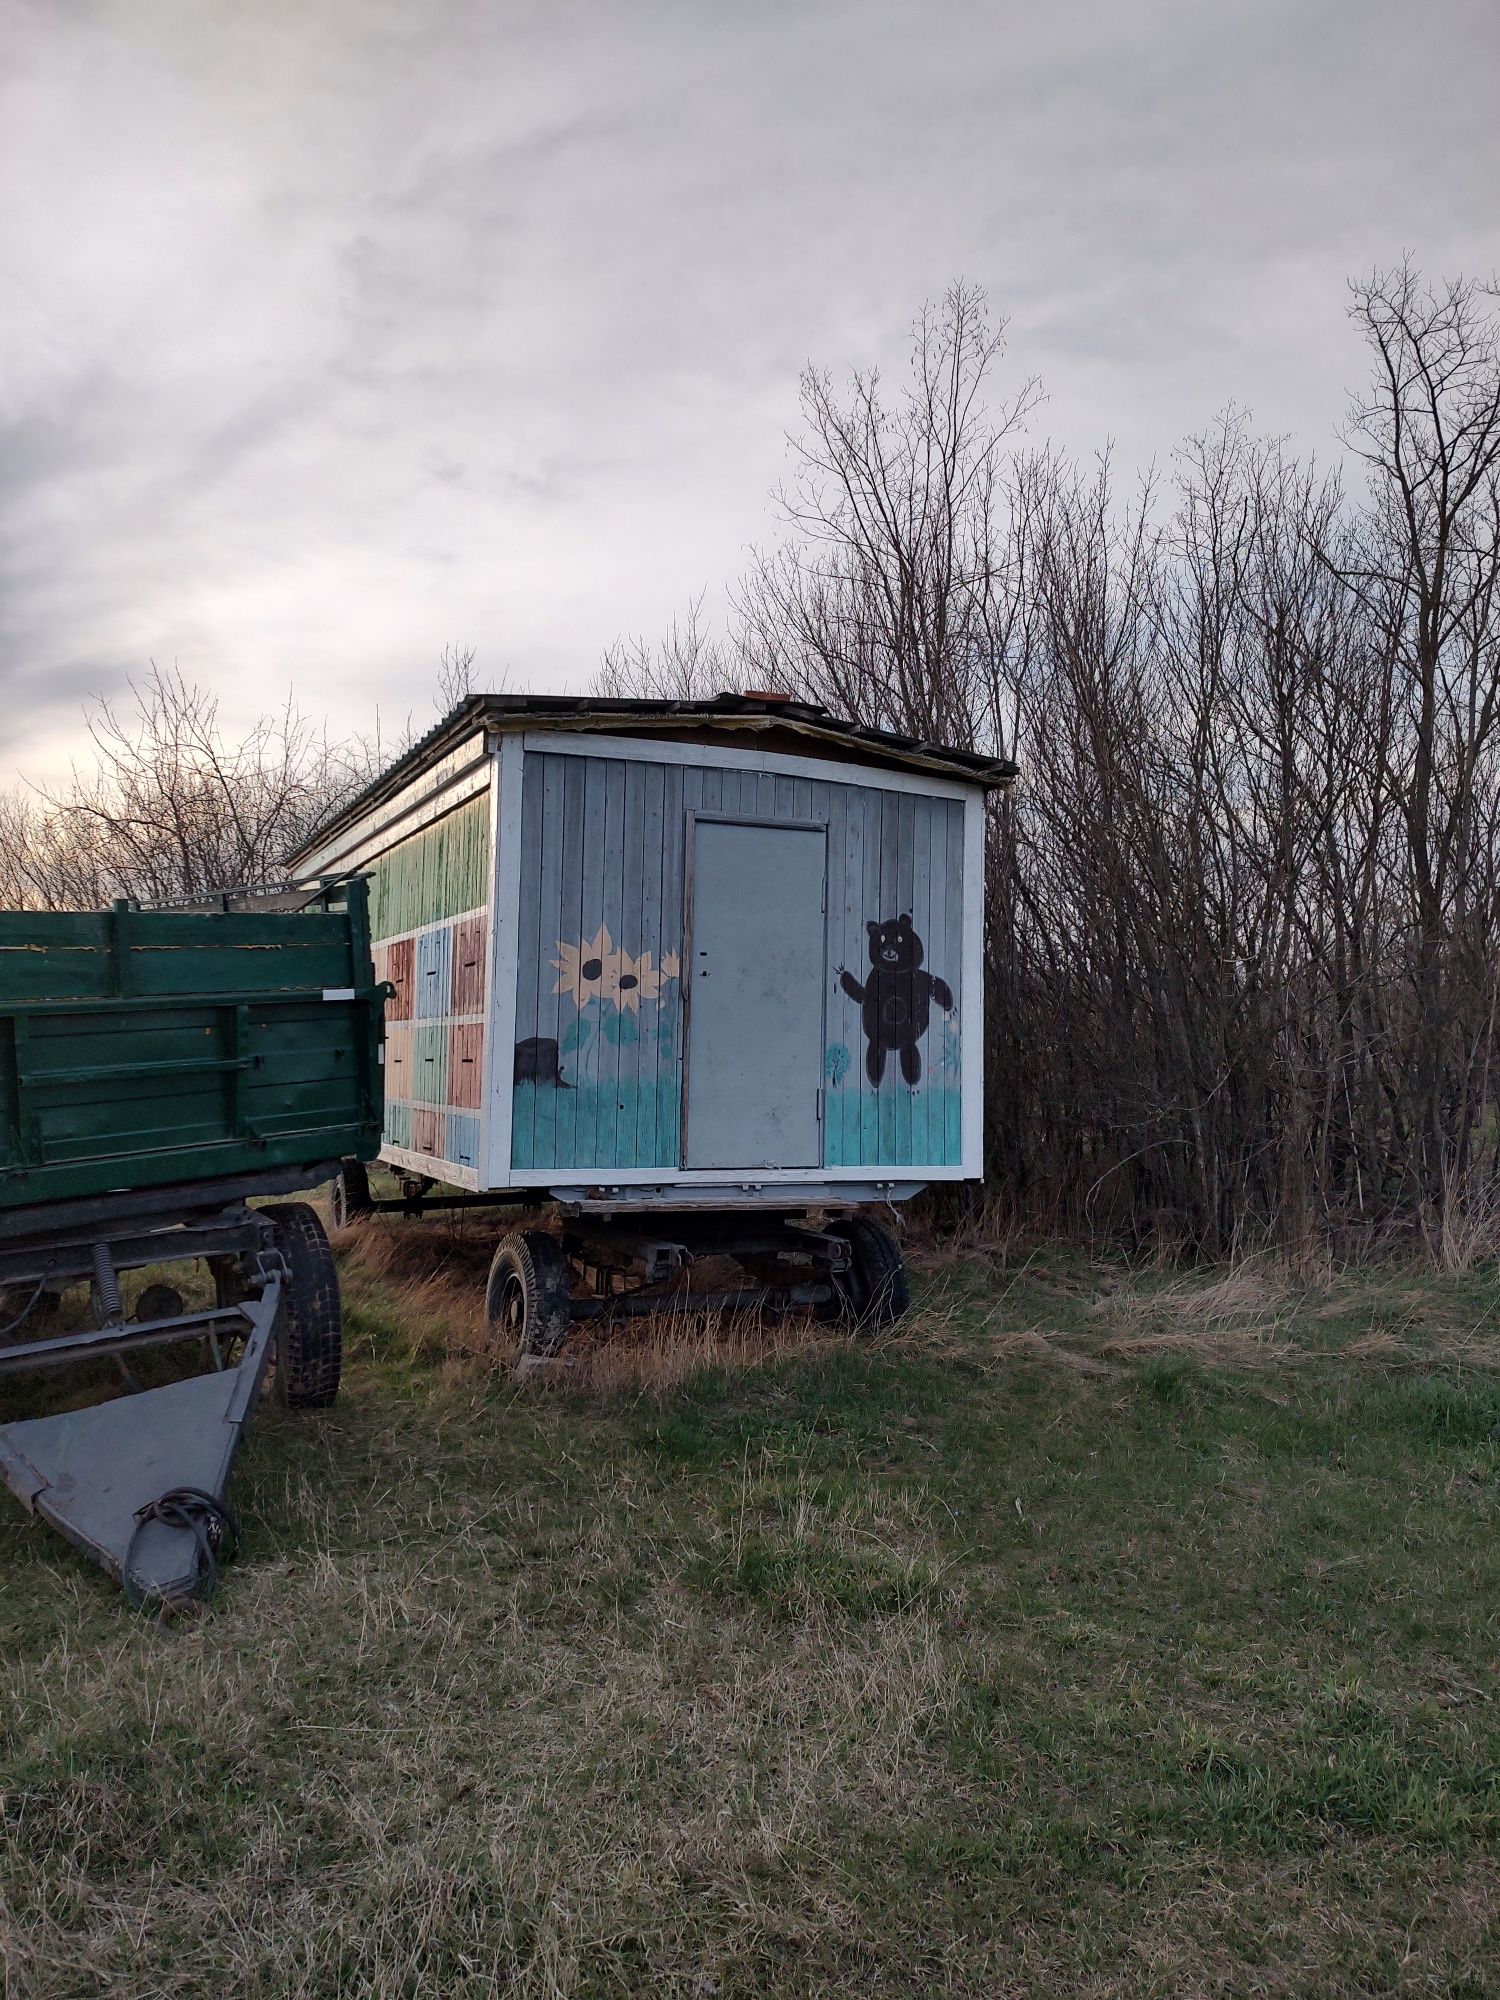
138	1483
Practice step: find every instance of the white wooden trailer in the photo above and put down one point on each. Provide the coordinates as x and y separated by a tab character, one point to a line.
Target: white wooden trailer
674	956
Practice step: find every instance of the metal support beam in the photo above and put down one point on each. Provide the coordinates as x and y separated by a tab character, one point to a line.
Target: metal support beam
64	1261
646	1305
28	1356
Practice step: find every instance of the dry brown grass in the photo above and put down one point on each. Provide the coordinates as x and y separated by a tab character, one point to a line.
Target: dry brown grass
416	1290
421	1283
1380	1346
651	1357
964	1660
984	1233
396	1251
983	1327
1472	1347
1218	1347
1246	1292
1470	1233
428	1281
1237	1320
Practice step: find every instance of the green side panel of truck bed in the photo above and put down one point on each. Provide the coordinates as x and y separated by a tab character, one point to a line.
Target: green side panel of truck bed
146	1047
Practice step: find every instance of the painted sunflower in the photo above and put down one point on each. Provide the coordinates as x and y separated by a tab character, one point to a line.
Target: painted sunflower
670	965
590	969
637	980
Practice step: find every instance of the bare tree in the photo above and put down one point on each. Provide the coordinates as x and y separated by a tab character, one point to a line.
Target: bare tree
18	840
888	594
1429	436
456	676
686	664
1241	905
171	805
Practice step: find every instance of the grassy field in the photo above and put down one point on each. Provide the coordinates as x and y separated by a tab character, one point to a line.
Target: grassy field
1104	1633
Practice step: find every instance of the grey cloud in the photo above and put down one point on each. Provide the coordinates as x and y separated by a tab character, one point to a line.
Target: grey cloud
336	333
52	700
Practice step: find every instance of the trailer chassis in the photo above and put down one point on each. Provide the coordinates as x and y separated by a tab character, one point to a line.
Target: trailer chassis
138	1482
625	1253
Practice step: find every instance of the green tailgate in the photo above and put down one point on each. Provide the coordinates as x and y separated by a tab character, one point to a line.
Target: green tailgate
140	1047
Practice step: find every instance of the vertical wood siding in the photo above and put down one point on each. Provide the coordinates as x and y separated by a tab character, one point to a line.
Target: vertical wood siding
598	1005
430	929
439	872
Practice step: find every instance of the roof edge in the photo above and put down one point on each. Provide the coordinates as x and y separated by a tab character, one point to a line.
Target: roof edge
587	715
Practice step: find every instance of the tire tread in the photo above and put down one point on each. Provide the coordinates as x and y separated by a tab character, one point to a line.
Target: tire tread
350	1196
310	1324
878	1288
537	1260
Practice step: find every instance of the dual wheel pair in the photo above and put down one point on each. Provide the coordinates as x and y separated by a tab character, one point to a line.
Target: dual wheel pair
528	1298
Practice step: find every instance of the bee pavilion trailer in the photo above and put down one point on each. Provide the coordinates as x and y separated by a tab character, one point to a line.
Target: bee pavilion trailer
688	970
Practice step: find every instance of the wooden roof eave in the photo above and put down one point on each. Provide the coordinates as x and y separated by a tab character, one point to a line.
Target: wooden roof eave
872	744
496	718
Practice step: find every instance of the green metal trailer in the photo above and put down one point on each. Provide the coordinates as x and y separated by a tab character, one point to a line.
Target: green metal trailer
162	1070
141	1047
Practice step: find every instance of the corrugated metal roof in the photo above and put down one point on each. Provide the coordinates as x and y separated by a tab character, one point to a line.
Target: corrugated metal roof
562	711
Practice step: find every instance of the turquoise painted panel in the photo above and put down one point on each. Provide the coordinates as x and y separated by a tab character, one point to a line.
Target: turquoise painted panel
547	1117
842	1152
598	997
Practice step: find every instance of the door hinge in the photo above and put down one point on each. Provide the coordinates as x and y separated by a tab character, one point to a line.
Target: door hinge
820	1106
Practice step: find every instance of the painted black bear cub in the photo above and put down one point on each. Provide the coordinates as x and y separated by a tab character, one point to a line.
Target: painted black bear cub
896	997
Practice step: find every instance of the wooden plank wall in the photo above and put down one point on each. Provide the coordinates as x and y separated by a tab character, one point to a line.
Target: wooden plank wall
431	941
599	1014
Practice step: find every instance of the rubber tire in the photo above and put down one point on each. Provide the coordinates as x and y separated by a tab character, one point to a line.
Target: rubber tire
351	1194
310	1324
876	1289
526	1295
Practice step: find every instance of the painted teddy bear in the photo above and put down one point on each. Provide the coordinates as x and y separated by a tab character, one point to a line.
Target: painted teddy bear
896	998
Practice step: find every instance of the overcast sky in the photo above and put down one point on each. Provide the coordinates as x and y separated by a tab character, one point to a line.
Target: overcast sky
330	333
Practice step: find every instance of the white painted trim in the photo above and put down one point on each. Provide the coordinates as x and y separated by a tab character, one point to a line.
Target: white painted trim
426	1163
443	1021
458	917
505	938
724	1177
827	770
368	838
971	1028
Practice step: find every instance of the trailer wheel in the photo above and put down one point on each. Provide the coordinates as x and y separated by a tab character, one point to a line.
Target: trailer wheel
351	1193
875	1290
310	1325
526	1298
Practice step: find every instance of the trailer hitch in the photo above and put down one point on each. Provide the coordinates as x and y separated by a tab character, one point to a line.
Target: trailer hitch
138	1483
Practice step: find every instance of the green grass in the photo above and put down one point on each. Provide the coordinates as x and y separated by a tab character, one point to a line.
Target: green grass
1100	1634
